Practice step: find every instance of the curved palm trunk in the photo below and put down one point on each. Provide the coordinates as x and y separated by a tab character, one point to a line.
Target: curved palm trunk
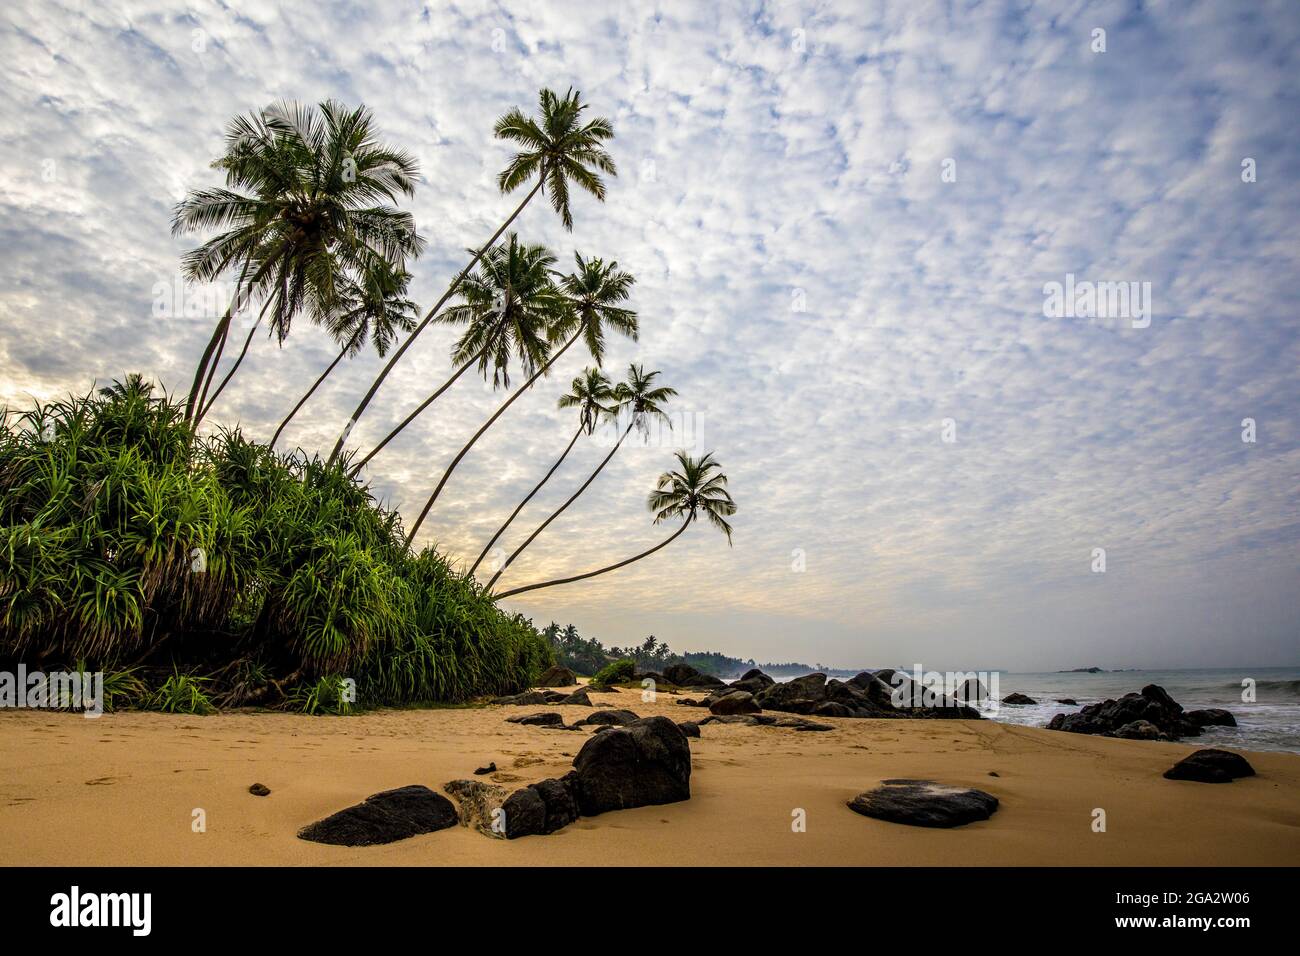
201	374
592	574
538	487
314	385
205	403
560	510
485	426
419	409
383	374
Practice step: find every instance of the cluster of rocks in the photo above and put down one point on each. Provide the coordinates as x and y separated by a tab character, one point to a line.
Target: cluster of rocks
866	695
546	697
643	763
1149	715
597	718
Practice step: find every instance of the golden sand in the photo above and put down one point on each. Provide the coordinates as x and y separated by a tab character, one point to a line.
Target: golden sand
122	789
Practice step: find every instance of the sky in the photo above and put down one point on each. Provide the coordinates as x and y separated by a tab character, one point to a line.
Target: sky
845	221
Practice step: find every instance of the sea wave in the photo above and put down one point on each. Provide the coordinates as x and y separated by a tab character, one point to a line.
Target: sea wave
1271	688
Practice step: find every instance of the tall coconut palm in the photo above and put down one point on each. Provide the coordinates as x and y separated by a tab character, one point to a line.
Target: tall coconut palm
641	400
555	150
298	213
507	306
377	310
591	306
697	488
592	394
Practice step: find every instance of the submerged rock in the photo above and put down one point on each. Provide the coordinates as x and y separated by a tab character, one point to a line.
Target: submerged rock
385	818
1211	766
924	803
1018	699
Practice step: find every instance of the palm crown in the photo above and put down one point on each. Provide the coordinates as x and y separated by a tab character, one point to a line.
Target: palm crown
561	149
592	394
376	308
510	304
593	292
302	206
696	487
641	398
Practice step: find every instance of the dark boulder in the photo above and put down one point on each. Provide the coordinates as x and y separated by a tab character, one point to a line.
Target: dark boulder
1018	699
557	676
553	696
1069	701
683	675
1211	717
738	702
794	696
385	818
689	727
749	720
691	702
544	719
618	718
530	698
924	803
540	808
754	681
830	708
970	691
260	790
578	698
1141	730
1211	766
646	763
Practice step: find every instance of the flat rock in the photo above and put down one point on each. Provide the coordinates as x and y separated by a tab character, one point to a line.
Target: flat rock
618	718
543	719
530	698
385	818
924	803
1211	766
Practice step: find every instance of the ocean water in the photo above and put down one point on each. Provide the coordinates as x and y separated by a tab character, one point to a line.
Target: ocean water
1270	722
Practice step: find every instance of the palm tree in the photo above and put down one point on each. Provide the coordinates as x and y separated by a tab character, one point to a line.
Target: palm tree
378	311
696	488
556	151
642	400
298	213
507	306
591	305
590	393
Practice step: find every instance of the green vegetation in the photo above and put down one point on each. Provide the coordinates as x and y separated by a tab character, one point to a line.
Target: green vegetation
194	571
615	672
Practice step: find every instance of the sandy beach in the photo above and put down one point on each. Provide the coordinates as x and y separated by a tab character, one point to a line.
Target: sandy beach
121	790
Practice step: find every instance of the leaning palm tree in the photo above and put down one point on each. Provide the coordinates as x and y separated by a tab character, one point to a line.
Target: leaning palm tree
696	488
556	150
378	311
302	206
642	400
507	307
592	394
591	306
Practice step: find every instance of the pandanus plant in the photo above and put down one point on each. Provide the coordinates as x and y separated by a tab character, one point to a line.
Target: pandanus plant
591	306
508	307
594	397
556	150
302	211
696	488
641	400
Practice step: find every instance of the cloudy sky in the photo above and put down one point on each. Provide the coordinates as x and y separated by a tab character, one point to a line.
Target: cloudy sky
842	218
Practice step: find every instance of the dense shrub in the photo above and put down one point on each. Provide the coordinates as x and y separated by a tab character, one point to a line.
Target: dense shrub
129	545
617	672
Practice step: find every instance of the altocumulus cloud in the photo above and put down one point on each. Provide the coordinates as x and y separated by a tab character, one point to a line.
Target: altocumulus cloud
842	221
